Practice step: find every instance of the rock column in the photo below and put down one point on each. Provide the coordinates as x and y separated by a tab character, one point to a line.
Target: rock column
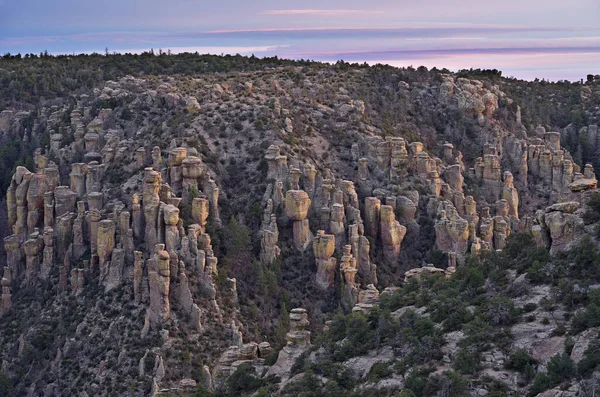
297	204
392	234
323	248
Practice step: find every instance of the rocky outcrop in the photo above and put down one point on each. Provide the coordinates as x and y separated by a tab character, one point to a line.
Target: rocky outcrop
277	164
159	282
563	225
105	245
298	341
348	270
269	250
297	204
451	231
392	234
323	249
6	292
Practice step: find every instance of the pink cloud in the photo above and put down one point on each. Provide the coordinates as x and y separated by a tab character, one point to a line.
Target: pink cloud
321	12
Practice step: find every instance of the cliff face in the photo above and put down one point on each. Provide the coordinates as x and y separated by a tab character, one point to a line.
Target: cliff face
168	225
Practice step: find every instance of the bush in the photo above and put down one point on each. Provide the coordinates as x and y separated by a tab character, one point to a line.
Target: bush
244	379
519	360
467	362
560	368
590	360
590	317
379	371
541	383
592	213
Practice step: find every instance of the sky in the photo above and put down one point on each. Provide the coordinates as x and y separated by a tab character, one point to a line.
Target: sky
528	39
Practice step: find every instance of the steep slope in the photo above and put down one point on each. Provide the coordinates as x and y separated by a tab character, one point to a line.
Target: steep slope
166	230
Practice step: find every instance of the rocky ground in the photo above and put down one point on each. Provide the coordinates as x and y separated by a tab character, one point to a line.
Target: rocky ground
302	229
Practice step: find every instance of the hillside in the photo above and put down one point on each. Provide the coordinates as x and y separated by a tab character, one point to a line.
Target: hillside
201	225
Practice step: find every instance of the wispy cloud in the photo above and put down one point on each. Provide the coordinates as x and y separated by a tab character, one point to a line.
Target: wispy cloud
215	50
335	12
360	56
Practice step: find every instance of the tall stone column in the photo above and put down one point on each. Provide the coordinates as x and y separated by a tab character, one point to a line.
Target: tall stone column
77	179
365	268
392	234
336	225
212	192
124	218
349	270
79	244
11	204
95	217
294	175
297	204
95	201
14	256
32	264
48	255
35	201
49	209
200	210
372	210
151	202
172	238
159	279
138	273
310	174
138	220
323	248
6	293
20	226
363	169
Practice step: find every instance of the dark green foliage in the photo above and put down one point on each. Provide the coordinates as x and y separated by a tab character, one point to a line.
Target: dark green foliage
522	362
243	380
590	317
238	237
450	383
467	362
519	360
12	155
25	80
560	369
115	175
5	385
541	383
380	371
590	361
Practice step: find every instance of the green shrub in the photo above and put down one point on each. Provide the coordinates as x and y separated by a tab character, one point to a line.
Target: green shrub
560	368
590	360
519	359
379	370
244	379
592	213
541	383
467	362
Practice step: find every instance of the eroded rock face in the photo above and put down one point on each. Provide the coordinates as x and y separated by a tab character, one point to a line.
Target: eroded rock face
372	209
298	341
159	283
392	234
105	246
64	199
323	248
563	227
297	204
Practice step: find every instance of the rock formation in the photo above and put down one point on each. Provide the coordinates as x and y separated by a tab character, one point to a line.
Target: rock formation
323	249
392	234
297	204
